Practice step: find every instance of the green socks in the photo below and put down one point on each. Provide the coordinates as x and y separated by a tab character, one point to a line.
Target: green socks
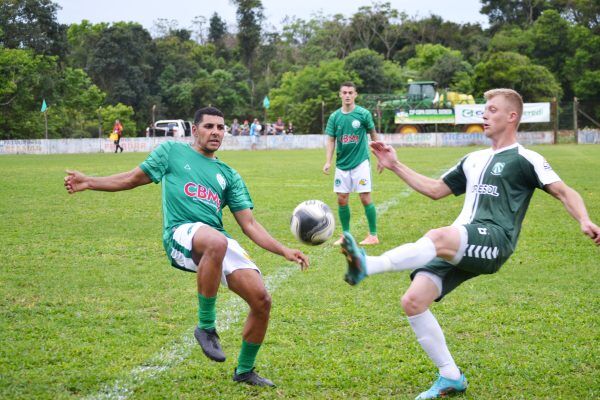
344	213
371	213
207	313
247	357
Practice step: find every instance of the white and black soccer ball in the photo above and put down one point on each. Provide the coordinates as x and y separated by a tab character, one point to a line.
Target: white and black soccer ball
312	222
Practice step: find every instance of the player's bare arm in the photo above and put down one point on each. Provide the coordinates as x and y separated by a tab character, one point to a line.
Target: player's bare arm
329	154
76	181
575	207
386	158
259	235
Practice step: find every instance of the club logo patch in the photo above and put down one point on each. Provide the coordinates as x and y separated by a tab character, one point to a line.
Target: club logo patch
337	182
497	168
221	181
362	182
356	124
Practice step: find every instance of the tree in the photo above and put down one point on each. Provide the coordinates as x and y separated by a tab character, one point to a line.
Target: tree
25	80
445	66
31	24
82	39
125	75
515	71
300	96
521	13
368	65
249	17
550	39
217	29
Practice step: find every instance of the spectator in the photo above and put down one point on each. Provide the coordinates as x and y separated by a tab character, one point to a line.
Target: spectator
245	128
279	127
255	129
290	129
235	127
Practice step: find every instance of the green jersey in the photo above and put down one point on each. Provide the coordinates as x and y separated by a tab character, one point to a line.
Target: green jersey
195	188
350	131
498	186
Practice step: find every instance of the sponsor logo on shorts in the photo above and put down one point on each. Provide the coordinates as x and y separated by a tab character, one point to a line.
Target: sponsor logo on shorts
337	182
202	193
362	182
486	252
497	168
484	188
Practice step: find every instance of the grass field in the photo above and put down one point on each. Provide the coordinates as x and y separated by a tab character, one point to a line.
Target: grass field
90	308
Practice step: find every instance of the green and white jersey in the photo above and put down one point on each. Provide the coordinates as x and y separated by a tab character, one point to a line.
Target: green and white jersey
498	186
195	188
351	131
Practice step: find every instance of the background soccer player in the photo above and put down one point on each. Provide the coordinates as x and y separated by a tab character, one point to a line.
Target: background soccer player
347	129
498	184
196	187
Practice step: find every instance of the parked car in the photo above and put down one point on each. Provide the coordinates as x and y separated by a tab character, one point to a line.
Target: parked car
173	127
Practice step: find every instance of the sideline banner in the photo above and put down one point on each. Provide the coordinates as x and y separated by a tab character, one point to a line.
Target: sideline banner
473	113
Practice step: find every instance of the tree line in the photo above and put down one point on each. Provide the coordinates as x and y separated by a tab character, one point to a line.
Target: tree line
91	74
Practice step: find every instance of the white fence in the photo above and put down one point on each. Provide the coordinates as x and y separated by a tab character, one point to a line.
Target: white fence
283	142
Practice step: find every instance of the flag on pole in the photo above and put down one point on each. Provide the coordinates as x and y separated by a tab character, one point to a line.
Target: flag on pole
266	102
44	106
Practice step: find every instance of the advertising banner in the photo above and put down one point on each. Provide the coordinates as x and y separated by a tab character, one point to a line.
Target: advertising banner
473	113
425	116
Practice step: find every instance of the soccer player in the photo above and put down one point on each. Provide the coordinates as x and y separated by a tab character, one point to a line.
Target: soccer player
347	130
498	184
196	186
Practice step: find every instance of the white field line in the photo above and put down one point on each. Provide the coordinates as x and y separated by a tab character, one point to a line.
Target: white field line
228	314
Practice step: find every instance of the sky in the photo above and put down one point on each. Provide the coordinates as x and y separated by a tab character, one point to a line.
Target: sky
184	11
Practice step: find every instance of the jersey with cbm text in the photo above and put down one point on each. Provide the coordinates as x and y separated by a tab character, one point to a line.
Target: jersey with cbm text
195	188
350	131
498	186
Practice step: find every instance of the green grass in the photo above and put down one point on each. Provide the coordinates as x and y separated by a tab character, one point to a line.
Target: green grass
88	302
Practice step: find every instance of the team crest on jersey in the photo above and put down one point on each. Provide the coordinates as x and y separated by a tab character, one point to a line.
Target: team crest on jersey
356	124
221	181
497	168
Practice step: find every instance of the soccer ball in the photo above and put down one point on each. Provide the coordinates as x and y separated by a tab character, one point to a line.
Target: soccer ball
312	222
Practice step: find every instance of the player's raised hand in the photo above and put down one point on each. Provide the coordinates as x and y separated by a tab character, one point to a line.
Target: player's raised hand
592	230
386	154
298	257
75	181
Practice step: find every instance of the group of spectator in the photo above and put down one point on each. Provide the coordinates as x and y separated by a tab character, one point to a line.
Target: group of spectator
257	129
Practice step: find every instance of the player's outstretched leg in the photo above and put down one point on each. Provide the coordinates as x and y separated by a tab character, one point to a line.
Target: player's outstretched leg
443	387
251	378
356	257
209	341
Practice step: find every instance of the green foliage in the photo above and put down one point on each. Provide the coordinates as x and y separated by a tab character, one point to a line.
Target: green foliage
25	80
511	70
368	65
513	39
31	24
509	12
107	316
301	95
249	16
122	112
443	65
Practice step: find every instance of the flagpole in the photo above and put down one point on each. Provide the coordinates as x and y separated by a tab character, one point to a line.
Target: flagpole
46	122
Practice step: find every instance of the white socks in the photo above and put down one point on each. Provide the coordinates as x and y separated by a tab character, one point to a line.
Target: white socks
432	340
406	257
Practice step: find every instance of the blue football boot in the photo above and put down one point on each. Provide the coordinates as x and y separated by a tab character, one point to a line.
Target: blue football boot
443	387
357	261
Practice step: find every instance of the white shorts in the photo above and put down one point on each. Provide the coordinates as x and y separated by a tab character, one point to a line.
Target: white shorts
179	252
354	180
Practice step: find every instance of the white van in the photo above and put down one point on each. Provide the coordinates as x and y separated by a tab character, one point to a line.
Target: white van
173	127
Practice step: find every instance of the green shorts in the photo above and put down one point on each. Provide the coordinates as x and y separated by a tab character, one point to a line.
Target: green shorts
487	249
